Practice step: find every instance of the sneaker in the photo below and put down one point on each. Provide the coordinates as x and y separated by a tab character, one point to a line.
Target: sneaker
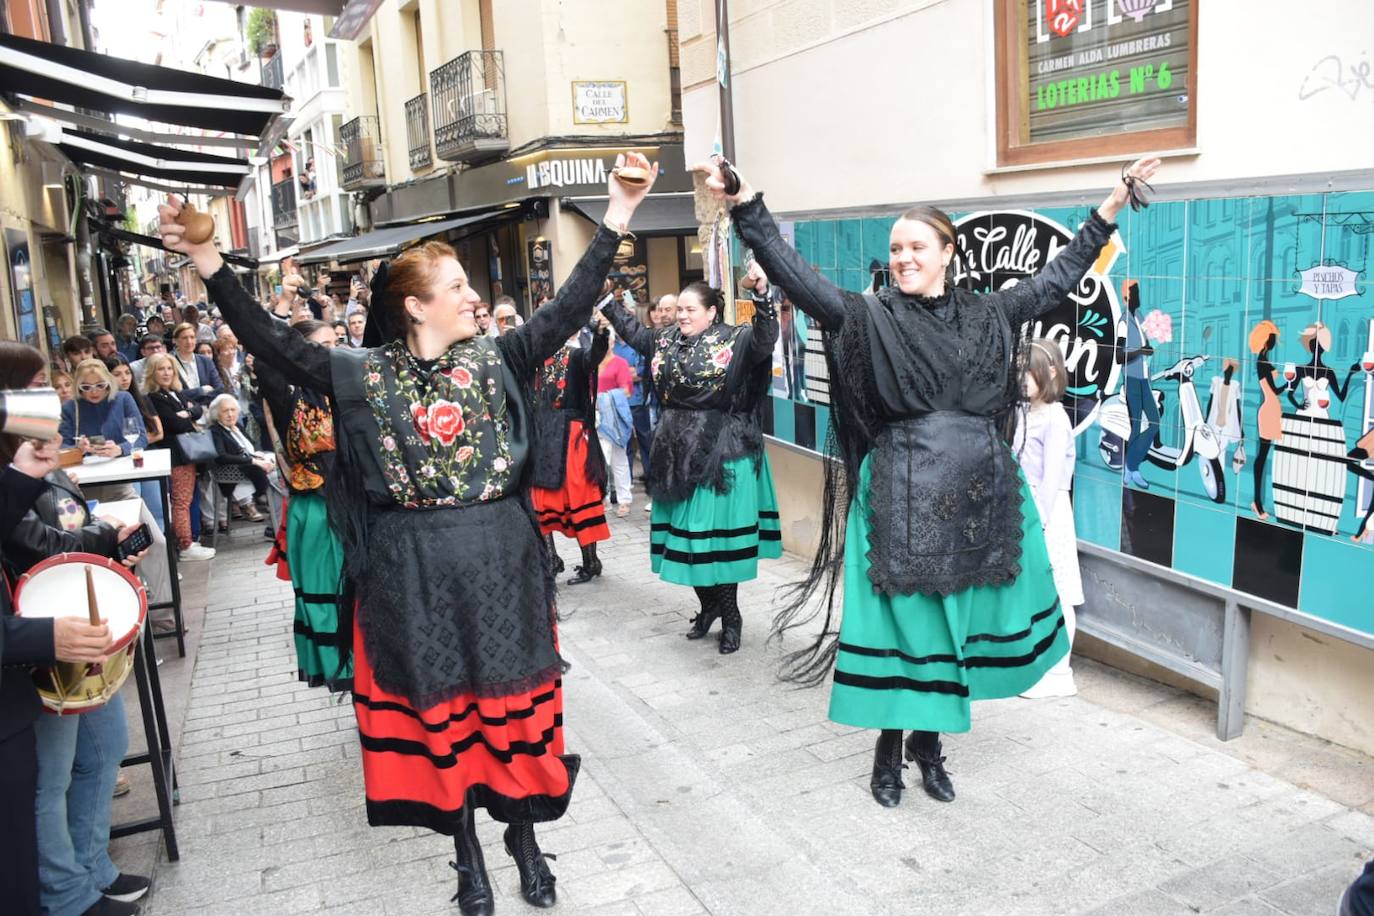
649	506
122	786
107	906
127	888
198	552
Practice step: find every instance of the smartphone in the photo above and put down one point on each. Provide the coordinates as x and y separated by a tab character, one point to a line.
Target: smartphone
137	542
277	289
96	440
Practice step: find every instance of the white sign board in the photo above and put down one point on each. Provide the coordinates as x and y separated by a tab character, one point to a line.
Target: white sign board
600	102
1329	282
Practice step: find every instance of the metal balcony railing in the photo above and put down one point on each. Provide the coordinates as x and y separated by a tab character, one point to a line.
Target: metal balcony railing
469	100
417	132
284	202
272	74
364	166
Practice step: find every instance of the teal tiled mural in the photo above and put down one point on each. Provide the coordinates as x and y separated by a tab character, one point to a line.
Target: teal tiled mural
1239	451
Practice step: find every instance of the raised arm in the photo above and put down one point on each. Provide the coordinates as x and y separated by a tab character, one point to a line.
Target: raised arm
553	323
628	328
526	348
763	331
271	341
1061	276
808	290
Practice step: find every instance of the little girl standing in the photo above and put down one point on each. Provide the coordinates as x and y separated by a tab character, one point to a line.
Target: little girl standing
1045	448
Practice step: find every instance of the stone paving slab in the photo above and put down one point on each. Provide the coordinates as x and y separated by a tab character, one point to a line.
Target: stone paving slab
709	787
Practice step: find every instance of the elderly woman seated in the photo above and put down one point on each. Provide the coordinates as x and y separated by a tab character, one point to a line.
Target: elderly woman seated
232	447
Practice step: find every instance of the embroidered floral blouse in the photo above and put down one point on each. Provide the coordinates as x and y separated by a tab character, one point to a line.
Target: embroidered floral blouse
432	433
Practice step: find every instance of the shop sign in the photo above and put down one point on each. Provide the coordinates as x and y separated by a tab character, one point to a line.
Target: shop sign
1001	248
600	102
1326	281
560	173
1098	67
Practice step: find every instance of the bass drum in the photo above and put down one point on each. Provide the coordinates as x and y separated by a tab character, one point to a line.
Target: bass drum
57	587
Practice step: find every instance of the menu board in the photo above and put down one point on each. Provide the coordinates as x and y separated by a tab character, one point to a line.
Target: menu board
630	269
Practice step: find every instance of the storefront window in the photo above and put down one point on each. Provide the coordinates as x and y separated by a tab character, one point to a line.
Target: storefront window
1085	78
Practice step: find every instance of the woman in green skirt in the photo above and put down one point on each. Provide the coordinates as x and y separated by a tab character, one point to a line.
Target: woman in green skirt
305	429
948	592
714	509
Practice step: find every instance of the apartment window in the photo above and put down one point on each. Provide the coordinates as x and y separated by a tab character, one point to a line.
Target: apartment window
1085	78
331	57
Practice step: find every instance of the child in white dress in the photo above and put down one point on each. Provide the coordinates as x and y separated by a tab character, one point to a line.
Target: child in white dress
1045	449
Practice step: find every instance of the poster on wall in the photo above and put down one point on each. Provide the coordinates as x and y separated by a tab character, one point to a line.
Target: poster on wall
540	263
21	285
1101	67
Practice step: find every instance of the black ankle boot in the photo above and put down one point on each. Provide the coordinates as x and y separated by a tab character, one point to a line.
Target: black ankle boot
590	568
886	783
554	559
475	895
701	623
730	620
924	748
536	881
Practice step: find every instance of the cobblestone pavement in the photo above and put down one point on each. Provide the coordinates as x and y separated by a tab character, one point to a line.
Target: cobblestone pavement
708	787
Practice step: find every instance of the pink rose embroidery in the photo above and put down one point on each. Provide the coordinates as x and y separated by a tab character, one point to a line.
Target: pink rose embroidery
421	418
461	377
445	422
722	357
465	453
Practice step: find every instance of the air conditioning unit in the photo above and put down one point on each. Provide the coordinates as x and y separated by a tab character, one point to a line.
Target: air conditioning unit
482	102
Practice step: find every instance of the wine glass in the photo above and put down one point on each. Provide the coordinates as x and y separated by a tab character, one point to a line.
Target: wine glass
1290	371
131	430
1367	361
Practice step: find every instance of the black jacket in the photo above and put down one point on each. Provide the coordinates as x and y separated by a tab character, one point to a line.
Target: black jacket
40	534
168	404
229	451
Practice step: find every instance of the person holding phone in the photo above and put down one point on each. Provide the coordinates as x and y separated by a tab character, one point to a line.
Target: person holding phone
455	650
94	419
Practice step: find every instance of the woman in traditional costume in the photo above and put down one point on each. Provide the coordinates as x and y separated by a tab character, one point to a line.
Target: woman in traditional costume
948	591
304	424
714	509
567	468
457	683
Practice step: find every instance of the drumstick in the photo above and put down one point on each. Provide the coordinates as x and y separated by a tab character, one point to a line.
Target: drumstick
91	606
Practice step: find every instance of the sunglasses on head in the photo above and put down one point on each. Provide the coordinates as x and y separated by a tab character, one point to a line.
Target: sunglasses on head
94	386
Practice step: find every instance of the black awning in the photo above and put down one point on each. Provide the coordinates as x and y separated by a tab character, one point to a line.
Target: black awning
383	242
149	241
658	214
151	161
112	84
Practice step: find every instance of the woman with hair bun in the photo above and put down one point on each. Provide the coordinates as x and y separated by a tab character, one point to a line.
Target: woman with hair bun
714	510
948	591
457	683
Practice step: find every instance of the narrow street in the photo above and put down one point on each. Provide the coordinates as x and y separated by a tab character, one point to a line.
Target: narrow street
709	787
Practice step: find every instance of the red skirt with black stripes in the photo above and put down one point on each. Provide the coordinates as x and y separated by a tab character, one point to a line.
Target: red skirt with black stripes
575	509
421	766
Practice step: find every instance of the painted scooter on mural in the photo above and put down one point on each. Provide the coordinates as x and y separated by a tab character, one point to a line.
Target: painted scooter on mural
1200	439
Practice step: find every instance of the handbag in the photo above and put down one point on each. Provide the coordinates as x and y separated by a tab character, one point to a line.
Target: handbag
198	447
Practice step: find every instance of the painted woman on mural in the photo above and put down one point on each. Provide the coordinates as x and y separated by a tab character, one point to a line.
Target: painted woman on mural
1263	338
948	592
1316	381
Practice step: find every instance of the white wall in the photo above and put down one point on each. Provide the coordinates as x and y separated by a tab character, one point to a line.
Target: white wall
900	111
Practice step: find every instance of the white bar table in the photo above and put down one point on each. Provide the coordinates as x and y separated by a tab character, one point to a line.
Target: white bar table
157	465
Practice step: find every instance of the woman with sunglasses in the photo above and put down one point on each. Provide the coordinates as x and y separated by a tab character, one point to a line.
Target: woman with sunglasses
95	419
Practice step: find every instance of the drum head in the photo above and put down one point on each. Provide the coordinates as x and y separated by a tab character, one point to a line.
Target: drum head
56	587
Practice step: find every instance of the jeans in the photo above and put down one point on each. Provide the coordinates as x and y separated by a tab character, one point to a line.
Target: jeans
1140	399
644	436
78	761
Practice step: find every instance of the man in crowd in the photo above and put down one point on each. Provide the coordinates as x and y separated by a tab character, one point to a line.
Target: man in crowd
150	345
105	344
505	317
357	324
482	315
75	349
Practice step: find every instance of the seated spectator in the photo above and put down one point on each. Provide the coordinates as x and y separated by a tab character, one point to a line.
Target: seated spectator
62	383
234	448
104	342
95	420
151	345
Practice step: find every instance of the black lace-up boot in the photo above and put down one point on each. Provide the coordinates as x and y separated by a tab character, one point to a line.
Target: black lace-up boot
730	620
924	748
475	895
590	568
536	881
701	623
886	783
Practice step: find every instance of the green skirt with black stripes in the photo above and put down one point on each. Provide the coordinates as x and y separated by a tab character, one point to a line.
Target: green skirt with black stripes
917	661
713	538
315	556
